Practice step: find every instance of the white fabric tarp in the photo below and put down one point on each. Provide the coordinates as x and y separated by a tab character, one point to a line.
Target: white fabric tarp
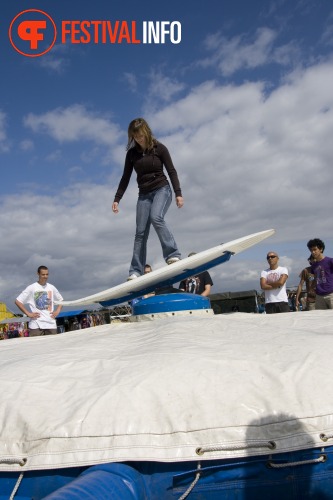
160	390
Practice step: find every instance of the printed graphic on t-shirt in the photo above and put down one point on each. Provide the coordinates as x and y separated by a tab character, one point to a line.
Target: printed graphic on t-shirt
43	300
320	275
192	284
273	277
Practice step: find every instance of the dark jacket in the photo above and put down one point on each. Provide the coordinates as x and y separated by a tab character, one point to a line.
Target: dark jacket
148	166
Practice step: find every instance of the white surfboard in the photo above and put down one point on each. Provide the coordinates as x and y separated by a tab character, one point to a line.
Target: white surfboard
173	273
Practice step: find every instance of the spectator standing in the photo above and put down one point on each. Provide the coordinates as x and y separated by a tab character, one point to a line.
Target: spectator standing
273	282
322	268
40	296
308	278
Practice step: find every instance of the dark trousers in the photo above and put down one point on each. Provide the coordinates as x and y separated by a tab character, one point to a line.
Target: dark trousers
277	307
36	332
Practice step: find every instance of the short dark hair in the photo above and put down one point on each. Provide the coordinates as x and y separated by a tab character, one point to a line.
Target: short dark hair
316	242
42	268
147	269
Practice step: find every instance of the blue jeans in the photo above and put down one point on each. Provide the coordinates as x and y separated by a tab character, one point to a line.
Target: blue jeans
151	209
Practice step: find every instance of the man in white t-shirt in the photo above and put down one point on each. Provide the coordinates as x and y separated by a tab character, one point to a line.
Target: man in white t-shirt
273	282
40	298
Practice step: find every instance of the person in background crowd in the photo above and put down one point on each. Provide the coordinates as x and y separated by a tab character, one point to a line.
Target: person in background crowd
147	269
292	300
84	323
40	298
200	284
273	282
148	157
322	268
308	278
74	324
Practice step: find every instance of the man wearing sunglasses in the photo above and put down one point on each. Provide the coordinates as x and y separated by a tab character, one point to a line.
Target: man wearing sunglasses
273	282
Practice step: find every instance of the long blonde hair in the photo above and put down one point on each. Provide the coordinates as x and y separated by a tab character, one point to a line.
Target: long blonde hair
140	125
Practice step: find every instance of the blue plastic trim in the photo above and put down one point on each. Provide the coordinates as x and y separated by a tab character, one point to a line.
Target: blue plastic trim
170	302
114	481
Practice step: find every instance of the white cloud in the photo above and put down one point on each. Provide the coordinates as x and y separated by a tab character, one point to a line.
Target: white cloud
54	64
74	123
231	55
287	55
27	145
131	80
327	35
163	87
54	156
72	233
57	60
76	170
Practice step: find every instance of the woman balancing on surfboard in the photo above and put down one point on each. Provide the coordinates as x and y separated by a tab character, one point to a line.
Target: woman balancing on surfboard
147	157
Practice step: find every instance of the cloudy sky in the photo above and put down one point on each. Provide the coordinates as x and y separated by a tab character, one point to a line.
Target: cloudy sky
243	102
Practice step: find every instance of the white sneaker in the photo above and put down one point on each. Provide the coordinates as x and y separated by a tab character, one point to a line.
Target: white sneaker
172	260
132	277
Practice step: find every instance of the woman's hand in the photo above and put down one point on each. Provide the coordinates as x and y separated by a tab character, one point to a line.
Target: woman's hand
115	208
179	201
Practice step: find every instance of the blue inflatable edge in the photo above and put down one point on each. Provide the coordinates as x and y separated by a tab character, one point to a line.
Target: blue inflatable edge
172	302
185	273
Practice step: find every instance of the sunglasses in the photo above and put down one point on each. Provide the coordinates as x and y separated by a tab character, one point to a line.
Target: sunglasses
271	257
